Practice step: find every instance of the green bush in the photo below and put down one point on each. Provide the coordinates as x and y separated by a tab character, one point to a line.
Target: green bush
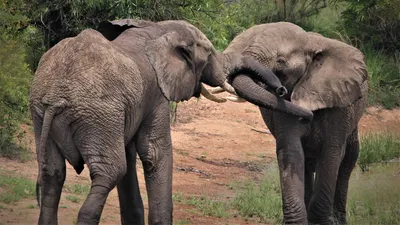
384	78
374	22
14	79
14	85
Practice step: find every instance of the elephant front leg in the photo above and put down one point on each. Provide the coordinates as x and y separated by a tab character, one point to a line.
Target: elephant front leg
130	201
342	183
291	170
321	203
155	151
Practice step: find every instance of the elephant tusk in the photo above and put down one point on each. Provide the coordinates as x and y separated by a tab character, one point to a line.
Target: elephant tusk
236	99
224	87
216	90
210	96
228	88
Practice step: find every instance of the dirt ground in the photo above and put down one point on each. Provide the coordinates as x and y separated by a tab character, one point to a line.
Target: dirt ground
214	146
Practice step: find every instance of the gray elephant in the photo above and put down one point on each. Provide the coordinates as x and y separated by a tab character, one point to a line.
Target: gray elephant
327	77
101	98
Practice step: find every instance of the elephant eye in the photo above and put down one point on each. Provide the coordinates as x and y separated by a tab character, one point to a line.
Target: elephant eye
317	55
281	62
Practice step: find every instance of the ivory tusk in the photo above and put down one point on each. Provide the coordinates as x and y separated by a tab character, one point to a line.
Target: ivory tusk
236	99
216	90
210	96
227	87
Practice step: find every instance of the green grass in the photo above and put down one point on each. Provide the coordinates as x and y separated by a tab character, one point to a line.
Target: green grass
262	200
378	147
326	21
206	206
374	196
181	222
210	207
72	198
15	187
79	189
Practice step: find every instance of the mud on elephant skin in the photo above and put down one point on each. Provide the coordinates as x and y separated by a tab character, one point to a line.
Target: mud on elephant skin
322	75
101	98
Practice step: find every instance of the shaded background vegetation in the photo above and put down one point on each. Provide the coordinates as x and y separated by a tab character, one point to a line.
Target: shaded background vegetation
28	28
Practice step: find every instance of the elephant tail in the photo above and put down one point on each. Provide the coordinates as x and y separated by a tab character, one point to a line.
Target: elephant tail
38	193
51	110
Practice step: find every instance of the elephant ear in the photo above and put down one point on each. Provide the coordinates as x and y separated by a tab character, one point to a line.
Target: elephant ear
173	59
335	76
112	29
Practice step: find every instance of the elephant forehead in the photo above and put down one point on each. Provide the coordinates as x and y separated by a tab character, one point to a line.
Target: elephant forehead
187	30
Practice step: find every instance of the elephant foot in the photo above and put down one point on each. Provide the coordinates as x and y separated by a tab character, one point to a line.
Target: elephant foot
339	218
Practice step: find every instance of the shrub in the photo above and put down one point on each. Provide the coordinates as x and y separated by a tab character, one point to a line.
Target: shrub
384	78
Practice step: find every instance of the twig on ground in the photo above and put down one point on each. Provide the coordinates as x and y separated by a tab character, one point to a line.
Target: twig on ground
260	131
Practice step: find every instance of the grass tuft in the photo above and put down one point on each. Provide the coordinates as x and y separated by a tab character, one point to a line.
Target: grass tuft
15	187
209	207
79	189
261	200
378	147
73	199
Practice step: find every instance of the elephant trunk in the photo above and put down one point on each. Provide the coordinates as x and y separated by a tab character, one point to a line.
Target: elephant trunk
233	65
248	89
214	75
246	65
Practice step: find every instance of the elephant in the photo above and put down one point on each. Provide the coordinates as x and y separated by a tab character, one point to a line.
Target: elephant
102	97
327	77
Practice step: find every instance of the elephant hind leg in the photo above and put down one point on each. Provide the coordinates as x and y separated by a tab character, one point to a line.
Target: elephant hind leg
346	167
53	177
104	153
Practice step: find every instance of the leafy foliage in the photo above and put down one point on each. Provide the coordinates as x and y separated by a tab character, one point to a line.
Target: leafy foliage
374	22
14	77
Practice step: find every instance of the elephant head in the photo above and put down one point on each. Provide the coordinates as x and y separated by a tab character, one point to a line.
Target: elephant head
317	71
180	52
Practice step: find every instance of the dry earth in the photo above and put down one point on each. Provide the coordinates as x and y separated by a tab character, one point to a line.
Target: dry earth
214	146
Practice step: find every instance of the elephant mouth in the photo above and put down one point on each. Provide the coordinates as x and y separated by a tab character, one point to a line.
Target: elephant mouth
285	80
197	90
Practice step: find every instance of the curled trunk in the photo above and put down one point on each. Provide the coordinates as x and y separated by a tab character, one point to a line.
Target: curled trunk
254	69
248	89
